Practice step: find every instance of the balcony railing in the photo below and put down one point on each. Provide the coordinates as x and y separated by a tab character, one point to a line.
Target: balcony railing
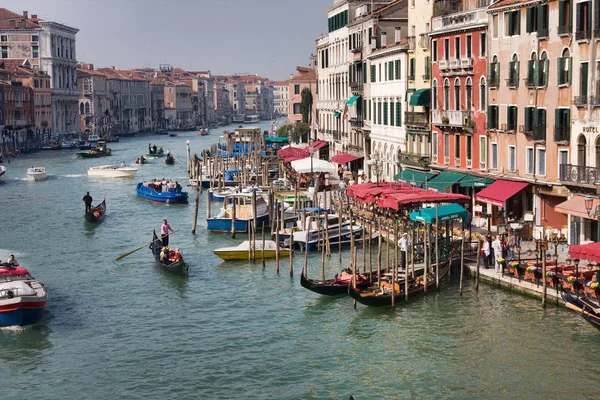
421	160
583	35
416	119
357	87
529	82
357	47
411	42
494	82
444	64
452	118
562	133
542	33
565	29
466	62
580	101
454	63
427	76
456	19
424	41
595	100
356	122
512	82
411	77
539	132
581	175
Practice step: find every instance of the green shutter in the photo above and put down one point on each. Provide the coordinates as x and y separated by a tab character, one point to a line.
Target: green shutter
515	117
397	69
528	115
517	73
546	72
372	73
570	69
542	117
560	66
511	24
370	34
385	112
530	71
530	19
557	124
364	109
369	110
537	73
561	13
398	114
584	79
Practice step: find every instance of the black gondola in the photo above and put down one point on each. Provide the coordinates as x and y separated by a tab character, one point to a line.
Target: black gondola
174	267
376	297
331	287
587	308
170	160
97	213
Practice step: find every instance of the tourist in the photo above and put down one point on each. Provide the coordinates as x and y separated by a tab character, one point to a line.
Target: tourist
489	239
340	172
164	232
485	253
12	261
511	242
497	247
164	255
403	243
87	199
123	165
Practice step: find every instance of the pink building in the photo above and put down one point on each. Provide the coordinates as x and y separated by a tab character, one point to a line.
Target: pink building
306	78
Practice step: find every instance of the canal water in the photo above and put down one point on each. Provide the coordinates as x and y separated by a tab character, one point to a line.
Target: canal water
238	330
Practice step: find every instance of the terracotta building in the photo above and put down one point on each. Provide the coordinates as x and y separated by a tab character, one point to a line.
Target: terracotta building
305	79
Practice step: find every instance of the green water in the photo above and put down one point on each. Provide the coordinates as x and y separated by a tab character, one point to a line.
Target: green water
235	330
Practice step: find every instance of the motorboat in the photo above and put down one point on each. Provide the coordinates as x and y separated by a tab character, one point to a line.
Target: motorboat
22	298
2	170
93	138
245	248
313	234
242	203
112	171
162	191
99	151
238	118
36	174
252	119
155	154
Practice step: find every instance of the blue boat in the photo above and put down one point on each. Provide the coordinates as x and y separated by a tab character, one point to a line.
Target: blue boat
242	202
22	298
162	192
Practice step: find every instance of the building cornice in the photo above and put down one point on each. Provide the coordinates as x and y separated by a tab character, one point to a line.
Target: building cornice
511	7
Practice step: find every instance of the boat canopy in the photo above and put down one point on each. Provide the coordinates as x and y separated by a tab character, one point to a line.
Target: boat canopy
445	213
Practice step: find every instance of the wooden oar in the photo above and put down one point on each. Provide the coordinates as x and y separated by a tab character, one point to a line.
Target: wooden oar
122	256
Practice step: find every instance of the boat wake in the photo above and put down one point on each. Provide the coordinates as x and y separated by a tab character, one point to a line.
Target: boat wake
15	328
5	254
72	176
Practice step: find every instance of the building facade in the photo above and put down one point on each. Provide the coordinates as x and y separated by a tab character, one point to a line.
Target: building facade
305	79
281	97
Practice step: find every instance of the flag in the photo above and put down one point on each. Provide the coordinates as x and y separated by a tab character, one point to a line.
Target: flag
345	113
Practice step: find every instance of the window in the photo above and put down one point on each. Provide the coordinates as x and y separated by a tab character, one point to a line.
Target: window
434	56
597	153
457	94
493	117
398	113
539	124
563	158
35	52
542	70
446	94
446	145
411	71
482	44
513	72
583	79
469	92
565	66
469	45
4	38
397	69
457	47
469	140
511	118
584	21
4	51
494	160
385	113
495	26
581	151
297	108
512	23
562	124
379	113
494	74
446	49
296	89
541	162
434	87
529	160
434	143
529	111
35	38
457	146
372	73
482	94
512	158
482	151
385	72
565	17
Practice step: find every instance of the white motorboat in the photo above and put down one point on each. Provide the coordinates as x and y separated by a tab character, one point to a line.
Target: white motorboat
93	138
2	170
36	174
112	171
251	119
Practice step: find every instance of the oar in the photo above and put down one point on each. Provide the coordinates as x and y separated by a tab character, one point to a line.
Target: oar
122	256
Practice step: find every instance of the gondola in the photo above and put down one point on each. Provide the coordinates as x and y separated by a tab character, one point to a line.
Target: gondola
587	308
97	214
334	286
376	297
170	160
174	267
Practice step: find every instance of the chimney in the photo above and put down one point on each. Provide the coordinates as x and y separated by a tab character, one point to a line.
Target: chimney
398	34
26	14
383	39
34	16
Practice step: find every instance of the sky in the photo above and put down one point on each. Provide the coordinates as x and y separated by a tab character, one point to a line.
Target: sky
266	37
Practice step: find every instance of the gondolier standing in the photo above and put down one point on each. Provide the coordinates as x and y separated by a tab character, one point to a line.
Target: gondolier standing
164	232
87	199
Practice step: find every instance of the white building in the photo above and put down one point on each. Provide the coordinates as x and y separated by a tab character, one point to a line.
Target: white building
281	97
386	107
58	59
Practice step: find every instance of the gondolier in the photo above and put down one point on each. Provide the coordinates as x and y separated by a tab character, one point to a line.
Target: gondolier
87	199
164	232
403	247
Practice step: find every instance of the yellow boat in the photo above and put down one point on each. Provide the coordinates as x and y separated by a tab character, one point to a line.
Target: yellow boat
241	252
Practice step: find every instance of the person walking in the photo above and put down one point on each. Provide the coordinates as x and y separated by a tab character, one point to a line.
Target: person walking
87	199
164	232
511	242
497	247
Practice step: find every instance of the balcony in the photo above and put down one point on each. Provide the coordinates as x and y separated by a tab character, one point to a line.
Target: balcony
445	7
459	20
411	42
443	64
355	149
419	160
411	77
357	87
356	122
416	119
512	82
580	175
450	118
580	101
529	82
424	41
494	82
542	33
565	30
454	63
466	62
427	76
357	48
583	35
562	133
539	132
595	100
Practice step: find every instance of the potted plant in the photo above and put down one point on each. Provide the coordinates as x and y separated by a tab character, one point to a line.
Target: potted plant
445	120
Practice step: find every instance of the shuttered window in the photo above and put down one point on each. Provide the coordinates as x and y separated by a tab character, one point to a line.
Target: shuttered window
397	69
372	73
398	114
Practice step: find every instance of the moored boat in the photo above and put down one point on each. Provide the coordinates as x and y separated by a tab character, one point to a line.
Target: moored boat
162	131
22	298
242	202
35	174
586	307
241	251
337	285
172	262
112	171
313	231
162	192
97	213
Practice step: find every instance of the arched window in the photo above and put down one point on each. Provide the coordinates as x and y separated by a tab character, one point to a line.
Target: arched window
87	108
81	108
565	65
435	94
531	67
469	92
457	94
581	150
513	72
544	67
446	94
482	94
494	72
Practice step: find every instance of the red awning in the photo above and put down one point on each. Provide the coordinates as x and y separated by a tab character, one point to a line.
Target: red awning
394	201
290	154
317	144
343	158
576	206
589	252
500	191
